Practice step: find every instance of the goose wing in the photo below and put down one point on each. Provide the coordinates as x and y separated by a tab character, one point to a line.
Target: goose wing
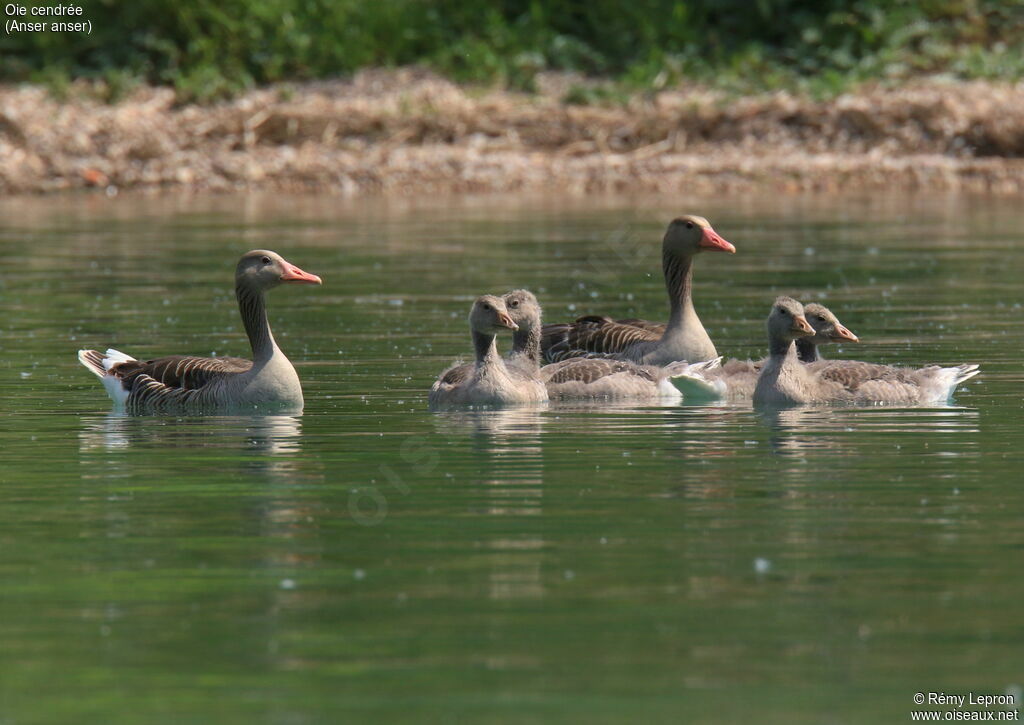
590	334
457	374
657	328
180	372
588	370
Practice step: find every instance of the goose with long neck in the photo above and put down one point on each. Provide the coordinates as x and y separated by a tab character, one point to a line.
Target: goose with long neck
587	378
490	381
784	380
735	379
181	383
683	338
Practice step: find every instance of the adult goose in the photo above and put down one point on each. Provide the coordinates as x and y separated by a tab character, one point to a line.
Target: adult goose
640	341
587	377
735	379
182	384
490	381
784	380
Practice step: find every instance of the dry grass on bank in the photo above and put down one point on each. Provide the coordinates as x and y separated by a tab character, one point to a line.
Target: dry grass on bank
409	131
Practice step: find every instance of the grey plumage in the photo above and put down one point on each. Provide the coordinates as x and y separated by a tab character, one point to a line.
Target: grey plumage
585	377
185	384
489	381
785	381
683	338
735	379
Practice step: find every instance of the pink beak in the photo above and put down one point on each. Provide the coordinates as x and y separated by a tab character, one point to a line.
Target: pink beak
294	274
712	241
844	334
800	324
506	321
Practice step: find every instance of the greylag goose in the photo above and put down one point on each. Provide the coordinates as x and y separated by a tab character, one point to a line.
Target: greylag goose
827	328
491	382
588	377
784	380
181	384
735	379
683	338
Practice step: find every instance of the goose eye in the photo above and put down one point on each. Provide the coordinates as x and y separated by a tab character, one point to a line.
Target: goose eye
514	303
785	312
487	307
265	260
689	225
821	318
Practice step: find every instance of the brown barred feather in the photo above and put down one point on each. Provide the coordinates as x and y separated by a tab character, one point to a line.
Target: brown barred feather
180	372
587	370
458	374
590	334
94	360
657	328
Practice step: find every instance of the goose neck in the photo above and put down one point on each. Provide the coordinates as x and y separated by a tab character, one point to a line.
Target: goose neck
253	308
526	345
806	350
486	348
679	284
781	349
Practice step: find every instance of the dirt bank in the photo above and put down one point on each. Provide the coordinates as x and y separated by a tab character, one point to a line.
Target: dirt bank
408	131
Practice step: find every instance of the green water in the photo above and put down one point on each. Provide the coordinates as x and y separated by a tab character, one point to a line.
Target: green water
372	561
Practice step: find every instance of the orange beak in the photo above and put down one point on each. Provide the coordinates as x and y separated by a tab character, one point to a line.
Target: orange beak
843	333
506	321
711	240
800	324
294	274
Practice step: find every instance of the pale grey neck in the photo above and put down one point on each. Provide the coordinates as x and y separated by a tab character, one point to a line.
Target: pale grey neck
684	326
253	308
806	350
526	344
486	348
781	349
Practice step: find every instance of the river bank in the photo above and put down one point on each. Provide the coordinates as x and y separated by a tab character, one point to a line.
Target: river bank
409	131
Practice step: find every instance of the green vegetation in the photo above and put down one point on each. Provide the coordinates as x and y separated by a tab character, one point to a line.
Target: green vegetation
210	48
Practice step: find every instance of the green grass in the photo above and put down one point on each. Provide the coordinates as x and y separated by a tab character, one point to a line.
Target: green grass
207	49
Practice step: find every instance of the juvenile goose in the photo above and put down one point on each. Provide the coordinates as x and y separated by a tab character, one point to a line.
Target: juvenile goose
491	381
525	352
586	377
735	379
786	381
683	338
179	383
827	328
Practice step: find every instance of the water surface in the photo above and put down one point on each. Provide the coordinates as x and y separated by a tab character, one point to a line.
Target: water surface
371	560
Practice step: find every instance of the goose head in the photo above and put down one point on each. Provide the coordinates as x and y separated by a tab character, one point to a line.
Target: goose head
523	308
262	270
827	327
489	316
691	234
787	322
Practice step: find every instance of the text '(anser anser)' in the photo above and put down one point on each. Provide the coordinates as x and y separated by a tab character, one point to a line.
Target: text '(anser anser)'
489	381
784	380
180	384
640	341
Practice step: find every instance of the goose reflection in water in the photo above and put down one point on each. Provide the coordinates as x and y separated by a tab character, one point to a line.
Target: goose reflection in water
509	483
805	430
277	436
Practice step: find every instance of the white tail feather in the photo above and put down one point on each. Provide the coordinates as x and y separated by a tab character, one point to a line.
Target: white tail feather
100	366
115	357
690	380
